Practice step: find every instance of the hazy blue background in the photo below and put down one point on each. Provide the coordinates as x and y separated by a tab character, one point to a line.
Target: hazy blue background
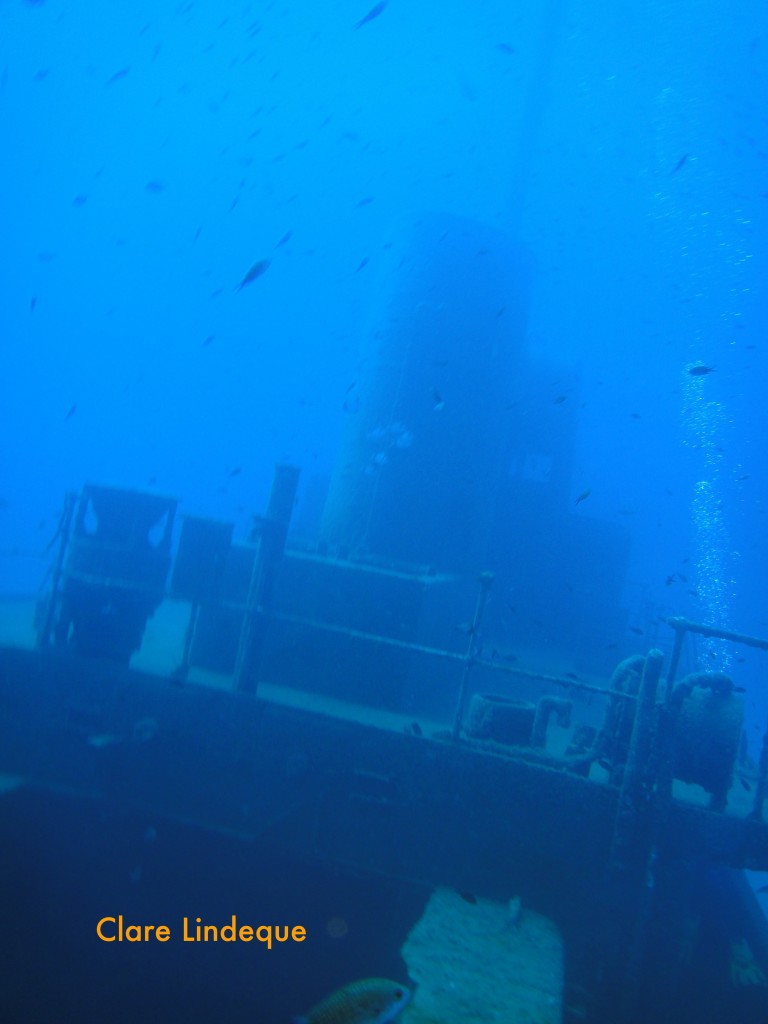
152	152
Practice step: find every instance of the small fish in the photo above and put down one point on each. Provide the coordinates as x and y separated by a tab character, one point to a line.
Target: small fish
465	627
373	13
102	740
438	401
583	496
636	629
363	263
10	783
155	186
679	164
700	370
118	75
416	729
365	202
370	1001
235	472
559	400
763	888
286	238
469	897
71	412
258	268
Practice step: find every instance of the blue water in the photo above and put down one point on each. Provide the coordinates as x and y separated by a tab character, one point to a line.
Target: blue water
153	153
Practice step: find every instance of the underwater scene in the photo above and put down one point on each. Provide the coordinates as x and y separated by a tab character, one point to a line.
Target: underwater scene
383	538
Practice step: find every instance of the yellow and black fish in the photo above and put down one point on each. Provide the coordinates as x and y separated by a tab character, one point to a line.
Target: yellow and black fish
370	1001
